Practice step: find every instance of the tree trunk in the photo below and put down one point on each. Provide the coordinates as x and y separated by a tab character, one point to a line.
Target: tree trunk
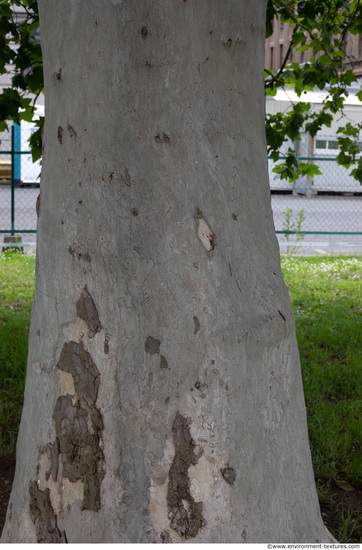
163	398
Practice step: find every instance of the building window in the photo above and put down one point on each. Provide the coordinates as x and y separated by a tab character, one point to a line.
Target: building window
326	146
321	144
272	58
281	51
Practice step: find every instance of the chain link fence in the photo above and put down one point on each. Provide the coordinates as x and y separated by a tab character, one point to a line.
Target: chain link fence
332	201
321	210
19	185
327	204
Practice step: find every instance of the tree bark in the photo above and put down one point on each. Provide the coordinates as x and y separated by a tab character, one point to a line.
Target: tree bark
163	397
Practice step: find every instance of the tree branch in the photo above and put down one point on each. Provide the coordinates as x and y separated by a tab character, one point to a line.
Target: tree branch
275	78
293	17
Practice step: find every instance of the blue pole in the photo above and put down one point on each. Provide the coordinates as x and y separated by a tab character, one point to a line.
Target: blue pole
17	147
12	183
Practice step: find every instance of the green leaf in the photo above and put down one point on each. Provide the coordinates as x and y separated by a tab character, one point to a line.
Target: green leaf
270	13
35	141
357	174
344	159
309	169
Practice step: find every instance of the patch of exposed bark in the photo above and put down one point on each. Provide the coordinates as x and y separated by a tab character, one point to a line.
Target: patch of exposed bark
184	513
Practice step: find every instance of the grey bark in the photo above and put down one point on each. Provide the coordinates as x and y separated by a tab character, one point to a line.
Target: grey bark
163	396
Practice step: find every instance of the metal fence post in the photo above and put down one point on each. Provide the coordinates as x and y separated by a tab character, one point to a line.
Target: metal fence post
12	181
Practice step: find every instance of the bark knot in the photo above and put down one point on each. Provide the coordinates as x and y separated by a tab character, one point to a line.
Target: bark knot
60	134
228	474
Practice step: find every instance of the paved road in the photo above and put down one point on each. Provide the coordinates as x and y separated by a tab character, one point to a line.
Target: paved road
323	213
25	213
25	201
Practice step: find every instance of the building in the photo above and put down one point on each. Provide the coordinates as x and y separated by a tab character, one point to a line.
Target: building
277	45
323	149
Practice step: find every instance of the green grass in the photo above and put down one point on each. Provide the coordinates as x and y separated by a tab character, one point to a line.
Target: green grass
17	274
326	295
348	526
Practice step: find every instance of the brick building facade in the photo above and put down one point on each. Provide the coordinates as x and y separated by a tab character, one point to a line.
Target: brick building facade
276	47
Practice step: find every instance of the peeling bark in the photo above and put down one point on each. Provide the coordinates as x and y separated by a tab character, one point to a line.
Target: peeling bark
185	514
43	516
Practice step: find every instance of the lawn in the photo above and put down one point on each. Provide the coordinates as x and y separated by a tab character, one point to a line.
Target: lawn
326	295
17	275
